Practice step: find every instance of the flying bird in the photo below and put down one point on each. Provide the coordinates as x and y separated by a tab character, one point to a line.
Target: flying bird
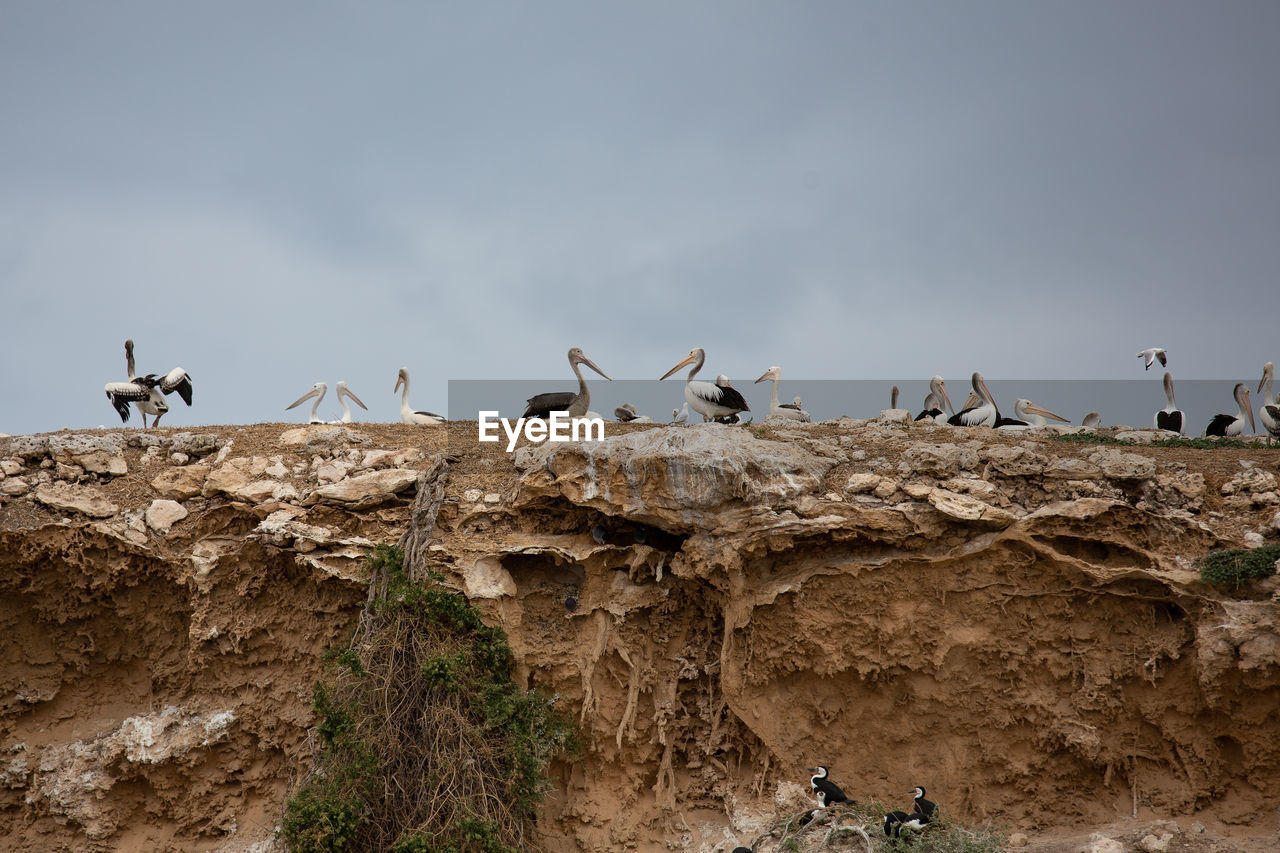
1154	354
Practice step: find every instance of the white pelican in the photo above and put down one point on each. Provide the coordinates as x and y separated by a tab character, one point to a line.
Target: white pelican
706	398
542	405
1269	412
141	390
626	413
680	416
154	403
1224	425
318	391
1152	355
1170	417
1028	415
985	414
938	402
1092	419
782	410
407	414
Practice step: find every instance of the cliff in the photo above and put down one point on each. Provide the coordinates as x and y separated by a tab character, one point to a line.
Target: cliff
1013	621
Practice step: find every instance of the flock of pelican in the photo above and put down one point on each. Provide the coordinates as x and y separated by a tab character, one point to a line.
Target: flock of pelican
720	401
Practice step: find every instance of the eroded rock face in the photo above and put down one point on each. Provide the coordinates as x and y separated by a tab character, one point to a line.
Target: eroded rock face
1016	619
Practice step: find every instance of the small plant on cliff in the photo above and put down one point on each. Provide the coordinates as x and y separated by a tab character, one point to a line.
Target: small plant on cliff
1238	565
424	743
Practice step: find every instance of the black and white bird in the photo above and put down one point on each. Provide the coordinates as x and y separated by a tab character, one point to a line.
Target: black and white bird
922	806
576	404
1224	425
1153	355
983	414
830	791
318	391
708	398
1170	417
920	816
140	390
1269	412
149	398
408	414
937	403
1027	414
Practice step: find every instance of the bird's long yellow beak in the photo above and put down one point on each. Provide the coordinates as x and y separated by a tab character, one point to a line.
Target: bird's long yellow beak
688	361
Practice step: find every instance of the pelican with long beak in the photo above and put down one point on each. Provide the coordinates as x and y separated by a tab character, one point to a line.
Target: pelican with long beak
1223	425
984	414
937	402
793	412
1028	415
1170	417
1269	412
407	413
577	405
707	398
318	391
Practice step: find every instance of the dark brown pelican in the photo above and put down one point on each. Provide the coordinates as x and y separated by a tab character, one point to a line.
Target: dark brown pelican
542	405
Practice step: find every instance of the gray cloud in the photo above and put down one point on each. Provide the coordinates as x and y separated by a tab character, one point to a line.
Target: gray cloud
275	195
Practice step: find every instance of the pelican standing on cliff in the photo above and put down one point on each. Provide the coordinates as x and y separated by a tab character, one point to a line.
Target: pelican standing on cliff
407	413
1224	425
577	405
148	398
707	398
1269	412
937	402
318	391
985	414
776	409
1170	417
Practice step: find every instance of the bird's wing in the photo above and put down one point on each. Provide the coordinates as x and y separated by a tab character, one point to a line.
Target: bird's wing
177	380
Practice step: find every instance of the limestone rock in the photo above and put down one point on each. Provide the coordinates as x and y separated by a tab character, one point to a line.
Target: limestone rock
966	508
333	472
197	444
102	462
10	467
163	514
1119	465
365	489
82	499
180	483
939	460
233	475
860	483
675	474
1015	461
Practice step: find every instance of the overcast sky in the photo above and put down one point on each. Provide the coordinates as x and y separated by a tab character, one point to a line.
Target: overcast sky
274	194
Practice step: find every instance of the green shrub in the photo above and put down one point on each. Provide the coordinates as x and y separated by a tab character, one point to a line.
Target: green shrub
1238	565
425	744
